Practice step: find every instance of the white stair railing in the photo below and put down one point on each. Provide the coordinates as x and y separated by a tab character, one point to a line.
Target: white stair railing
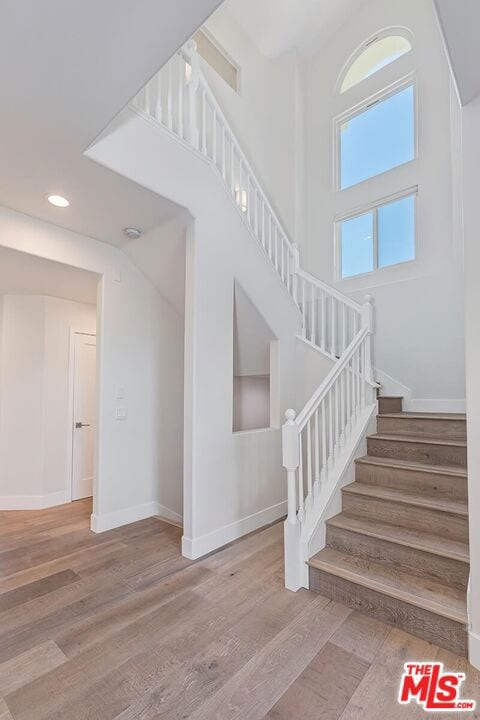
330	320
317	442
180	99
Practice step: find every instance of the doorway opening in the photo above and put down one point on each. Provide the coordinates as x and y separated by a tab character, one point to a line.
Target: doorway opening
48	325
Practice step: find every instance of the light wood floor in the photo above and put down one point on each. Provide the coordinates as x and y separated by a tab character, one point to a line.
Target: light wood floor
120	626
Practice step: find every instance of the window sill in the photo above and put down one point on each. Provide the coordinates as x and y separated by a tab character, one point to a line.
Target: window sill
390	275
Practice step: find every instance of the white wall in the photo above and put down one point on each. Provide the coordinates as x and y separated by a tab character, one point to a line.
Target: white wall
35	425
233	482
264	115
251	403
418	306
140	347
471	177
22	395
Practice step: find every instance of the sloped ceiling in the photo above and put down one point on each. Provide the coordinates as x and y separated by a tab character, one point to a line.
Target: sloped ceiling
67	67
460	24
277	26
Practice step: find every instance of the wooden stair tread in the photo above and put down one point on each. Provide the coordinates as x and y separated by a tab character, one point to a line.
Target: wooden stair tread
412	465
416	539
449	505
425	416
420	592
420	439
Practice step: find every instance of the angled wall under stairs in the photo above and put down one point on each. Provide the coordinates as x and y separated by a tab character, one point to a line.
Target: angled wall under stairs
398	551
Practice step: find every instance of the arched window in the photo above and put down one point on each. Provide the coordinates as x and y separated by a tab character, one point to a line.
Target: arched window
374	137
376	54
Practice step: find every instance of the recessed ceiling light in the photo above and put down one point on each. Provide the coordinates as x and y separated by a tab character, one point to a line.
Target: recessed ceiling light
58	201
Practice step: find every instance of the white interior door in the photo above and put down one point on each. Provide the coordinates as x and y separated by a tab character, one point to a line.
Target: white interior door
84	406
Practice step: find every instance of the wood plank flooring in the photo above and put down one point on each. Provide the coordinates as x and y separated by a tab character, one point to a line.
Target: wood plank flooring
119	626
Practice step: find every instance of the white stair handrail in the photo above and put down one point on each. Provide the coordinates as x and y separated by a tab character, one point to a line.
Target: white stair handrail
317	441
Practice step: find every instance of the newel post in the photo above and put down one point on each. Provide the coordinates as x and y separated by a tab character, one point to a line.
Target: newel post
367	317
193	81
294	270
291	461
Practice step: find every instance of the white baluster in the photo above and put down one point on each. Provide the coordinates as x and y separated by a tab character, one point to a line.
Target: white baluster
224	154
324	472
276	246
294	269
301	490
158	98
193	81
324	321
344	328
214	136
368	321
304	311
249	202
309	467
169	97
312	317
181	81
291	461
148	99
232	166
348	376
270	235
334	326
204	121
330	429
316	437
263	224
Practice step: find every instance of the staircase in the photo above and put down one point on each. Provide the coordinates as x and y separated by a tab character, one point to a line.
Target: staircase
398	551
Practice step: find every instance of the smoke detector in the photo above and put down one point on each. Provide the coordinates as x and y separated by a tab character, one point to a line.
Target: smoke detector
132	233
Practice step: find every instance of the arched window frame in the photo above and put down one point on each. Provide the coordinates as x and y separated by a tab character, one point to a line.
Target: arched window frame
385	82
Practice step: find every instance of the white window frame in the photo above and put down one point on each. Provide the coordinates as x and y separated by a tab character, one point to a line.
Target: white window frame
384	94
372	208
380	35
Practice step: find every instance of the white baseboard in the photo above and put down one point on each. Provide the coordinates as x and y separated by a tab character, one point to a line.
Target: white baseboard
434	405
109	521
32	502
168	514
390	386
474	649
194	548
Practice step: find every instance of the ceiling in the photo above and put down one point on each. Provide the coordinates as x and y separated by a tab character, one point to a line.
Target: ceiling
277	26
21	273
460	22
66	69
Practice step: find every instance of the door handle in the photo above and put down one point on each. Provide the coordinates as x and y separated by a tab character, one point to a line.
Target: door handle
79	425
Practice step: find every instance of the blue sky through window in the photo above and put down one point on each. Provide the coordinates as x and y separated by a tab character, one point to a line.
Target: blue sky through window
377	139
357	245
396	232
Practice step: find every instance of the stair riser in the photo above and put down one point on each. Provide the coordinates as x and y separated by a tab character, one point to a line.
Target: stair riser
389	405
429	626
453	429
446	486
408	516
418	452
399	557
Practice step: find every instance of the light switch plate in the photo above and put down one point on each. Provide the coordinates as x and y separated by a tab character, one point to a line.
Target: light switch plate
122	413
120	393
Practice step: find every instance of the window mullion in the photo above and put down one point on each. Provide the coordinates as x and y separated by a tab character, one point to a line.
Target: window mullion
375	238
